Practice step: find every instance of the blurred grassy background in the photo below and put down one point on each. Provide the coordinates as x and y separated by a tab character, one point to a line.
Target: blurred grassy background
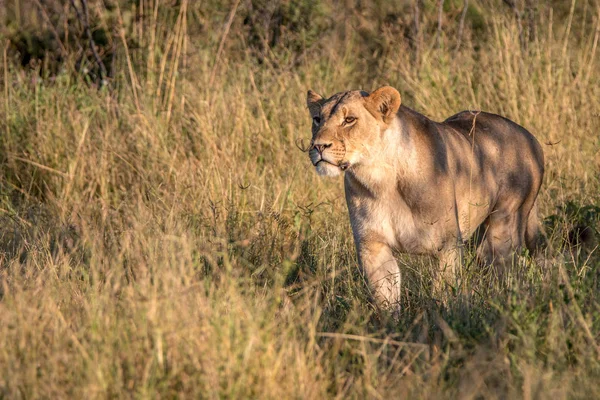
162	235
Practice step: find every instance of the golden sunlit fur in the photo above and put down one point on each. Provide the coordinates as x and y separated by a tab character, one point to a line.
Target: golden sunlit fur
424	187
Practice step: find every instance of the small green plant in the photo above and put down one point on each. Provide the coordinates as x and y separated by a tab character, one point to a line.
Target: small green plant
575	224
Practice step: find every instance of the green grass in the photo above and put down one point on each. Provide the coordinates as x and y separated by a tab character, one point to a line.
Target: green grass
165	237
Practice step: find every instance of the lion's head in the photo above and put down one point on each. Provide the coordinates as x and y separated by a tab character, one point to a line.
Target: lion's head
348	126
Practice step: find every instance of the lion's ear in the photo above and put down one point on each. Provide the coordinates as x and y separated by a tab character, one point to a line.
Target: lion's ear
313	101
385	102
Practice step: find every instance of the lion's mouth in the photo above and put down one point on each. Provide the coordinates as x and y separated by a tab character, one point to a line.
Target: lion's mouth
317	157
342	165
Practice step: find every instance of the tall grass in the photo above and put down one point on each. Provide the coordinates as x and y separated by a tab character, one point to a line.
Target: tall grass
164	236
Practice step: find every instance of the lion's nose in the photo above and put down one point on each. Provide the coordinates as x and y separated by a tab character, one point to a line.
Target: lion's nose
321	146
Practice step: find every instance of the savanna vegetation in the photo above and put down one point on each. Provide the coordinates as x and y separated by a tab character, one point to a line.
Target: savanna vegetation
162	233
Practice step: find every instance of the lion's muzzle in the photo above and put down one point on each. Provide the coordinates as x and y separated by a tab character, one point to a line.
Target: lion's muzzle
328	152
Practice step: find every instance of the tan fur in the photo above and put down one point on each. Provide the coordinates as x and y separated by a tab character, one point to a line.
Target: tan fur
424	187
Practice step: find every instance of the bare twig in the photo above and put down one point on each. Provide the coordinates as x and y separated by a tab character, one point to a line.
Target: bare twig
223	39
439	28
40	166
85	21
299	142
568	30
513	5
242	185
371	340
594	47
551	143
63	50
417	34
461	25
6	87
530	11
179	41
132	75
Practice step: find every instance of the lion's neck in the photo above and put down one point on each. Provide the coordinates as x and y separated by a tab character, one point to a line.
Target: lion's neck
390	163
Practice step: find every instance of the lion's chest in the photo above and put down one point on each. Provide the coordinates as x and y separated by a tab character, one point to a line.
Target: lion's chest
393	222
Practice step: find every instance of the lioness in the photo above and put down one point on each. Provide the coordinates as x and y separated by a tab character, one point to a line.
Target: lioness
424	187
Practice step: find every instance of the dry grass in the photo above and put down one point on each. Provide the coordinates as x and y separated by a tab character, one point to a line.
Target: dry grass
164	237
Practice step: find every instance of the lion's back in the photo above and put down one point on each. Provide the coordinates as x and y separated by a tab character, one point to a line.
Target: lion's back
503	149
496	132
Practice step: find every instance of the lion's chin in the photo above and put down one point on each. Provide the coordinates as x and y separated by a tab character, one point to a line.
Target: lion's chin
327	169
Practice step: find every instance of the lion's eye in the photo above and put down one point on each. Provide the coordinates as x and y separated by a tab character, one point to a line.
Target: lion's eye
317	120
349	120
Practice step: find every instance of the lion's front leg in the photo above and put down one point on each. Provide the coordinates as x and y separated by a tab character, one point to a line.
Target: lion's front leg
450	262
380	266
451	259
